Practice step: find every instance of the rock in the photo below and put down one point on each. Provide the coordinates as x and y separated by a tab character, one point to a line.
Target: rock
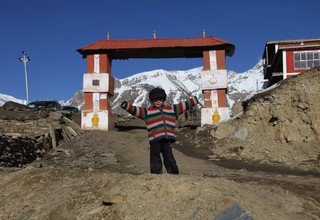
223	130
315	125
96	210
233	212
213	157
108	155
10	105
200	129
212	132
241	133
112	198
236	109
27	132
13	135
55	116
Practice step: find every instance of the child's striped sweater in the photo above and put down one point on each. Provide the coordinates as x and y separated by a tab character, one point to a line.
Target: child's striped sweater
161	122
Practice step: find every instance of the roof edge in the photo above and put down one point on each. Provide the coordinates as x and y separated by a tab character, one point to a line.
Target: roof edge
226	45
287	41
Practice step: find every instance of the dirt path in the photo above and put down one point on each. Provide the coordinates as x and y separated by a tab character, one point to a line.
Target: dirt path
131	149
69	183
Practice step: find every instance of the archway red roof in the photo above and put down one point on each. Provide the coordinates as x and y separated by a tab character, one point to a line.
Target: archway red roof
157	48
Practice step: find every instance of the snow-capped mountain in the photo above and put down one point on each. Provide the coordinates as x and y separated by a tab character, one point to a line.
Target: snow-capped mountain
179	85
77	100
242	85
5	98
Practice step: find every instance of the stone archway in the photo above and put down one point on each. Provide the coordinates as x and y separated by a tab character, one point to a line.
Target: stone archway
98	82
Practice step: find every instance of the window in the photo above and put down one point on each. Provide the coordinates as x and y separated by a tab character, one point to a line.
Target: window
95	82
306	59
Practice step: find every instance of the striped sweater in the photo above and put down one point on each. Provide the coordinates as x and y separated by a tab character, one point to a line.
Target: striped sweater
161	122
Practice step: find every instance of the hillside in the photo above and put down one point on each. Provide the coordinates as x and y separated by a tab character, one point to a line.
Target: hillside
279	127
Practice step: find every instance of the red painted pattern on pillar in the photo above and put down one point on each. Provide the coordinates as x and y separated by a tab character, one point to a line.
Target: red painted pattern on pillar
222	98
88	104
207	104
207	98
221	59
221	64
206	60
90	63
105	63
111	85
221	93
104	101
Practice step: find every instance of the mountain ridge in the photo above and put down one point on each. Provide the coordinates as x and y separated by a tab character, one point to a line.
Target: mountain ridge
178	84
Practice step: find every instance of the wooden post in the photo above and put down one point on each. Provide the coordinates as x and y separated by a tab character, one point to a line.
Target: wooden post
53	136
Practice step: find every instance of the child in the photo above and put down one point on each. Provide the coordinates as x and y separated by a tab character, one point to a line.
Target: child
161	122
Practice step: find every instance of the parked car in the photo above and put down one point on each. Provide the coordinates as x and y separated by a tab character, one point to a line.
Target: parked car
70	108
54	105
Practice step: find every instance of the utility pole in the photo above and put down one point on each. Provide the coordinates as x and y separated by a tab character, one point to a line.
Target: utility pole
25	59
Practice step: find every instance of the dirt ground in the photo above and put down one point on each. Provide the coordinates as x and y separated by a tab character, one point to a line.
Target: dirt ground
71	182
264	164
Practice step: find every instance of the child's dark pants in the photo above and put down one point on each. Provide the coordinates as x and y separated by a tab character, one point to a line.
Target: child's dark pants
163	147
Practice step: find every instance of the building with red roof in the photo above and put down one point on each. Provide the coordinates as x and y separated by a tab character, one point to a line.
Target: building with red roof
286	58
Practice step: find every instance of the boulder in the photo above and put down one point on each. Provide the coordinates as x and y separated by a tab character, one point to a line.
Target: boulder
223	130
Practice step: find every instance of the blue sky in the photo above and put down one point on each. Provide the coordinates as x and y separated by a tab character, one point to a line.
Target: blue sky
50	31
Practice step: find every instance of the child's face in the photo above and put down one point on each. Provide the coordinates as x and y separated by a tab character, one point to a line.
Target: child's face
158	102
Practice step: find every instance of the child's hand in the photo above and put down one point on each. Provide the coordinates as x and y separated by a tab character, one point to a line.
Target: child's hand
196	99
124	105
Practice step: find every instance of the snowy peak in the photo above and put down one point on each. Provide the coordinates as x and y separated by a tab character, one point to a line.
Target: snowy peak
241	85
177	84
6	98
181	84
168	80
